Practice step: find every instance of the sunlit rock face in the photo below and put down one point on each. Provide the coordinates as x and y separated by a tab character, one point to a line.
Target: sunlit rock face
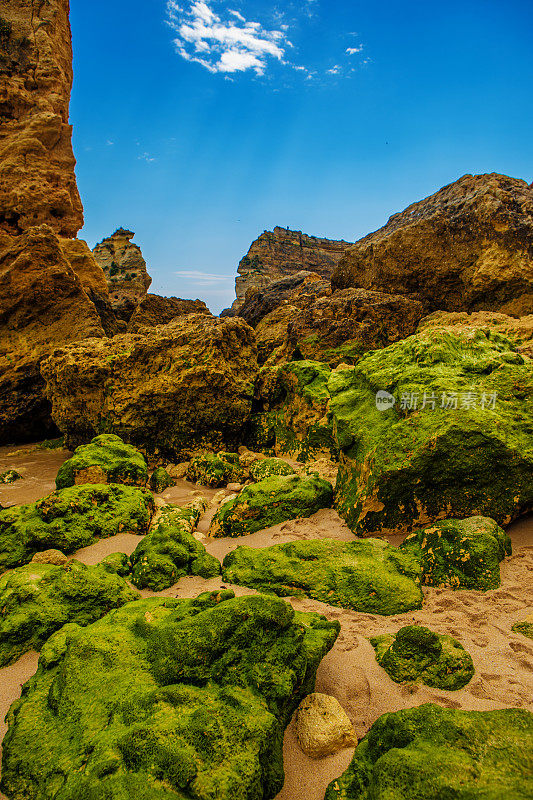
125	270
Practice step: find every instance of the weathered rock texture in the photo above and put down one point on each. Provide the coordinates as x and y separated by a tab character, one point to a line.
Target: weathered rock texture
282	252
155	310
322	726
469	247
171	390
107	459
42	304
37	181
125	270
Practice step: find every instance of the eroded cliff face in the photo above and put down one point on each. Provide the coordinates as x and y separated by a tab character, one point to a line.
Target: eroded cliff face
37	181
469	247
125	271
281	252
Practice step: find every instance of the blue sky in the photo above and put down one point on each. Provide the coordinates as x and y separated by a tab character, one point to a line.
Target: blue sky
200	124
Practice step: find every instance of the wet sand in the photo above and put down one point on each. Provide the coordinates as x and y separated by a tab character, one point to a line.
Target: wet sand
481	621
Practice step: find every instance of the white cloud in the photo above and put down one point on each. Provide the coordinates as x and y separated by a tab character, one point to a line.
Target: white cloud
224	42
353	50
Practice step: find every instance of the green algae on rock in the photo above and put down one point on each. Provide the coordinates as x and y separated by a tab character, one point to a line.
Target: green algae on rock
217	470
165	699
369	576
38	599
107	459
265	468
170	551
525	627
433	753
460	553
271	501
160	480
291	403
457	441
10	476
70	519
418	655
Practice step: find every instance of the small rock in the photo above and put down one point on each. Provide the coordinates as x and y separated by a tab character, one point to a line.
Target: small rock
234	487
10	476
219	497
178	471
322	726
55	557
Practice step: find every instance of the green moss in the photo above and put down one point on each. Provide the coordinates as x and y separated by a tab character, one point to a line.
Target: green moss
72	518
170	551
525	628
418	655
460	553
265	468
165	699
213	470
38	599
401	466
108	460
369	576
433	753
51	444
271	501
10	476
160	480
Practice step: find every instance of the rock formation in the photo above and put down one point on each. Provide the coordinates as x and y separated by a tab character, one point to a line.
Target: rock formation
125	270
37	181
172	390
469	247
281	252
156	310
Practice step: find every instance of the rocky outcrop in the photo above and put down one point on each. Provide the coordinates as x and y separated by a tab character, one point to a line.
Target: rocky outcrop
155	310
125	270
93	281
281	252
298	289
37	181
105	460
469	247
42	304
171	390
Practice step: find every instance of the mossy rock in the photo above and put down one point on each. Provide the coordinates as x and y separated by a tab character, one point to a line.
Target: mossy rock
213	470
434	753
402	466
170	552
38	599
271	501
293	420
165	699
418	655
160	480
369	576
460	553
10	476
525	627
265	468
70	519
107	459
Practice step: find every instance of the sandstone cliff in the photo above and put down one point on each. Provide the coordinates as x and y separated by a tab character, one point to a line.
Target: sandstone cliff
37	181
281	252
156	310
125	270
469	247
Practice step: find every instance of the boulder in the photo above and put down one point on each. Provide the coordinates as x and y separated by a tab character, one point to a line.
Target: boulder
38	599
10	476
368	576
125	270
160	480
55	557
177	698
155	310
213	470
442	753
107	459
291	411
469	247
169	391
298	289
418	655
70	519
436	426
269	502
266	467
322	726
170	551
460	553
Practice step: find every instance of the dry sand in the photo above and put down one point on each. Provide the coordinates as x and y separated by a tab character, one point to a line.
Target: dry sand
481	621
